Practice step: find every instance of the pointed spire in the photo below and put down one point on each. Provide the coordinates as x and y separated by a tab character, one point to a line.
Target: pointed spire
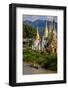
54	31
37	36
46	31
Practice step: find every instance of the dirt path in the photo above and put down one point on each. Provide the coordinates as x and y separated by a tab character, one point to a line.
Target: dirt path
27	69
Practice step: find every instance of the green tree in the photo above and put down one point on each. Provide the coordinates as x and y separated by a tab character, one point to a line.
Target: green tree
28	31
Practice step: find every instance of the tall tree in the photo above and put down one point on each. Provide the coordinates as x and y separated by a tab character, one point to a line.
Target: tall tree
28	31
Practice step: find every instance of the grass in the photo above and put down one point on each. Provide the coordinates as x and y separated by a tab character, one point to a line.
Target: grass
45	60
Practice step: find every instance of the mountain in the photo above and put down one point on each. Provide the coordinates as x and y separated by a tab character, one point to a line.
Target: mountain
40	24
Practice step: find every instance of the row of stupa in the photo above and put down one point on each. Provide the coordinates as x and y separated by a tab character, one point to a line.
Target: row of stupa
40	44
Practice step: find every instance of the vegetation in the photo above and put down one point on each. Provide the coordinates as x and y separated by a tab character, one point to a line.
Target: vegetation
28	31
38	58
45	60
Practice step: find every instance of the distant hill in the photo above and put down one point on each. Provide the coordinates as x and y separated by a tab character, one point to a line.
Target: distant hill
40	24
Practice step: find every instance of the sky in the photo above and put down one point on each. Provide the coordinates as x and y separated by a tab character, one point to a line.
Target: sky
36	17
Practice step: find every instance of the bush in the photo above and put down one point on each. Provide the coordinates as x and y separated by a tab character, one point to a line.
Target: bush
50	62
47	61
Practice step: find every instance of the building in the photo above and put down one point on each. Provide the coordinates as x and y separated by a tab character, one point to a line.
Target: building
48	42
36	45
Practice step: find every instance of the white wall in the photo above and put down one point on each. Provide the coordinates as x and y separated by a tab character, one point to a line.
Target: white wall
4	44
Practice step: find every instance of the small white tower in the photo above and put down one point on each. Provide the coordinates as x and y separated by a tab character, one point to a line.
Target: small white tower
45	36
36	45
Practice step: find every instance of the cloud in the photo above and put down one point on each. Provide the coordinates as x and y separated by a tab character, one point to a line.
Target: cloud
36	17
51	18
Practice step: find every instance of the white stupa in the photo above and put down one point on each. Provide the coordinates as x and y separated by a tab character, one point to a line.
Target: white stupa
36	45
41	44
45	36
55	33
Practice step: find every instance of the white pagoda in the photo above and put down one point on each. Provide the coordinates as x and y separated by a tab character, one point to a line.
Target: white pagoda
42	43
36	45
44	37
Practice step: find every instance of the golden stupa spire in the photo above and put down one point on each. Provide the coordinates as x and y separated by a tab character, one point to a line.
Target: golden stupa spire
46	31
37	36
